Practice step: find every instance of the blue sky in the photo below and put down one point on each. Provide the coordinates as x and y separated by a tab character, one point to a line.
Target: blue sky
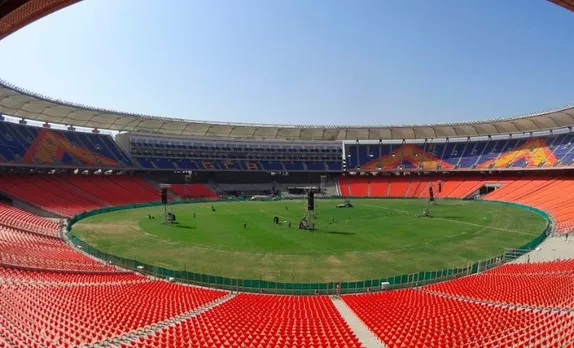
301	61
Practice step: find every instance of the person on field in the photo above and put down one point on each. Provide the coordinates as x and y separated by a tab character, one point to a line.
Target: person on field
245	225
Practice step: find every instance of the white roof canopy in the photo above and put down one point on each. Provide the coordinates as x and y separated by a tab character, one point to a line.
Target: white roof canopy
18	102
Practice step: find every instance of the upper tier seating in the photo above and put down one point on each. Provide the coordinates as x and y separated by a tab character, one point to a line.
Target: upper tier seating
152	152
190	191
149	162
20	144
260	321
549	151
71	195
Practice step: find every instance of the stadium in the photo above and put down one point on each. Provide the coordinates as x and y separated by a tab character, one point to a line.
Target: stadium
179	233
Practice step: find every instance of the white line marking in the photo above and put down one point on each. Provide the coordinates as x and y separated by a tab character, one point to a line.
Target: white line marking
378	206
455	221
483	226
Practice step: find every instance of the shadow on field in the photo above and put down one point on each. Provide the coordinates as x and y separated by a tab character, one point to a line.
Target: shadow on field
341	233
184	226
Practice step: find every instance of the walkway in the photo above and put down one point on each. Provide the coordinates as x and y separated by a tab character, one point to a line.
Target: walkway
365	336
552	249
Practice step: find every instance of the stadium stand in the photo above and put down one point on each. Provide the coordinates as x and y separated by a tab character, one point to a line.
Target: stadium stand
190	191
70	195
532	152
25	249
31	277
54	296
411	186
414	318
170	153
41	268
34	146
551	194
545	192
260	321
539	290
22	220
549	267
39	315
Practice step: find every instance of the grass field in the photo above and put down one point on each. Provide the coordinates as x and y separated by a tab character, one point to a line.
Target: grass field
376	238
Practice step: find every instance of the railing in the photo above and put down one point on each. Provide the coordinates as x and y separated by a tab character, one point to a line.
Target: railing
297	288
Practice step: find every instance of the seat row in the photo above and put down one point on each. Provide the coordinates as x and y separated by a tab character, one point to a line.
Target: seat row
27	276
21	219
19	248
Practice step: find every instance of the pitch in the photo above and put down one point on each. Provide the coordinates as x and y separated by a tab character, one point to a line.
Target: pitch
375	238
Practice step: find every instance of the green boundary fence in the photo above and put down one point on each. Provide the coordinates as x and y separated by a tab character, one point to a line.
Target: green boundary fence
259	285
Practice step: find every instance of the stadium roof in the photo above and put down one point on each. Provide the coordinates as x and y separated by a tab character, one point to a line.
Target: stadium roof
15	14
567	4
17	102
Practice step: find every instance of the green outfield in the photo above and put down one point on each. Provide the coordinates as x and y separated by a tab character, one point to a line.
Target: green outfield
375	238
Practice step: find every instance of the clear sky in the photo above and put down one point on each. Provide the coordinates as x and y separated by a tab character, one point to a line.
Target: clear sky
301	61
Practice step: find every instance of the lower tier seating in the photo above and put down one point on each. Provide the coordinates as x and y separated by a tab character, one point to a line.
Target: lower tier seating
54	296
27	276
412	318
413	186
18	248
550	267
67	316
548	193
546	290
260	321
190	191
70	195
20	219
552	195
